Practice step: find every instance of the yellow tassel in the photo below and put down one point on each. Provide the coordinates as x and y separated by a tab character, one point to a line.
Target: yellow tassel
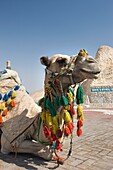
79	110
13	94
8	101
66	116
2	106
54	128
70	97
59	117
82	117
67	107
43	116
55	120
49	119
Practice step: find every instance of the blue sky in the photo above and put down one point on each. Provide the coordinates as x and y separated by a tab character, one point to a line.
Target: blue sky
30	29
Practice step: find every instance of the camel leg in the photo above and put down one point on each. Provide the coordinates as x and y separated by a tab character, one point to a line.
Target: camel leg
35	148
27	146
5	145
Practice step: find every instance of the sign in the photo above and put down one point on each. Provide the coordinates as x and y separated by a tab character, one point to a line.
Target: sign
102	89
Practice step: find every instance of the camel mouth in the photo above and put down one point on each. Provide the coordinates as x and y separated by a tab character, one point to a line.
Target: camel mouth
94	73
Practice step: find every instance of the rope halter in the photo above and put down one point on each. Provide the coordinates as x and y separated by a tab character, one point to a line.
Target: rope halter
66	71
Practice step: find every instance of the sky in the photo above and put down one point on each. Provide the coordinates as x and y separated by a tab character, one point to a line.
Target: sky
30	29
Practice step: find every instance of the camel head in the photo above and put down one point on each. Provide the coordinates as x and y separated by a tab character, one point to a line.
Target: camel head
71	70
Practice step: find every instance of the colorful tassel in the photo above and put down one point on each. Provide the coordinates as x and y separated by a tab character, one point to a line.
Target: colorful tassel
66	116
58	145
47	132
1	119
79	132
67	131
43	116
13	95
8	101
70	126
54	129
2	106
80	95
5	112
59	133
79	111
13	103
49	119
79	123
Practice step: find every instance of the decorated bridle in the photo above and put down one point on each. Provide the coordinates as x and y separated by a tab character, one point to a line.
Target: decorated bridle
66	71
51	104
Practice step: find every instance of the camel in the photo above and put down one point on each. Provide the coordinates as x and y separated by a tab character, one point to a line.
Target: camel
22	130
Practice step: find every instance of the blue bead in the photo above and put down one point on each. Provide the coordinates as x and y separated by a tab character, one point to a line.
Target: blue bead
10	93
0	96
16	88
5	98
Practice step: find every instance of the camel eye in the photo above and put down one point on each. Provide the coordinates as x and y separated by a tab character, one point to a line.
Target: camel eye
62	61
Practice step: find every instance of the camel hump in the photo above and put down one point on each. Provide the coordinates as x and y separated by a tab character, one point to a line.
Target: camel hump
17	108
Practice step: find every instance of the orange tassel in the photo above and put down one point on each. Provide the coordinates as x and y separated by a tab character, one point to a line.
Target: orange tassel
47	132
70	126
13	103
4	113
79	132
79	123
67	131
1	120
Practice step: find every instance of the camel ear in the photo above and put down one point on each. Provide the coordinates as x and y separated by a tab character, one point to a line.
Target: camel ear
45	61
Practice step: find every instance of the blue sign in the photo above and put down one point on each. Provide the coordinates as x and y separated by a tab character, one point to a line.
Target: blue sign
102	89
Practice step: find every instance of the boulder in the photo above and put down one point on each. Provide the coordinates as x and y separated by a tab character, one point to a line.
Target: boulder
100	91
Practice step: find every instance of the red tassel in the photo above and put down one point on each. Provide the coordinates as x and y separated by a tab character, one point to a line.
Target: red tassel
13	103
67	131
70	126
52	138
1	120
58	145
79	132
5	112
72	110
79	123
59	133
47	132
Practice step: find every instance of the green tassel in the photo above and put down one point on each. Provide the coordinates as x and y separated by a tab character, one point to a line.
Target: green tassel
49	106
63	101
80	95
57	102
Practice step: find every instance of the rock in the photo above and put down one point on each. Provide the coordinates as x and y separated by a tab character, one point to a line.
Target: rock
100	91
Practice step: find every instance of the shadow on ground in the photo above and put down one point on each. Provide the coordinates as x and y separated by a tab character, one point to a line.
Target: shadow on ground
26	161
